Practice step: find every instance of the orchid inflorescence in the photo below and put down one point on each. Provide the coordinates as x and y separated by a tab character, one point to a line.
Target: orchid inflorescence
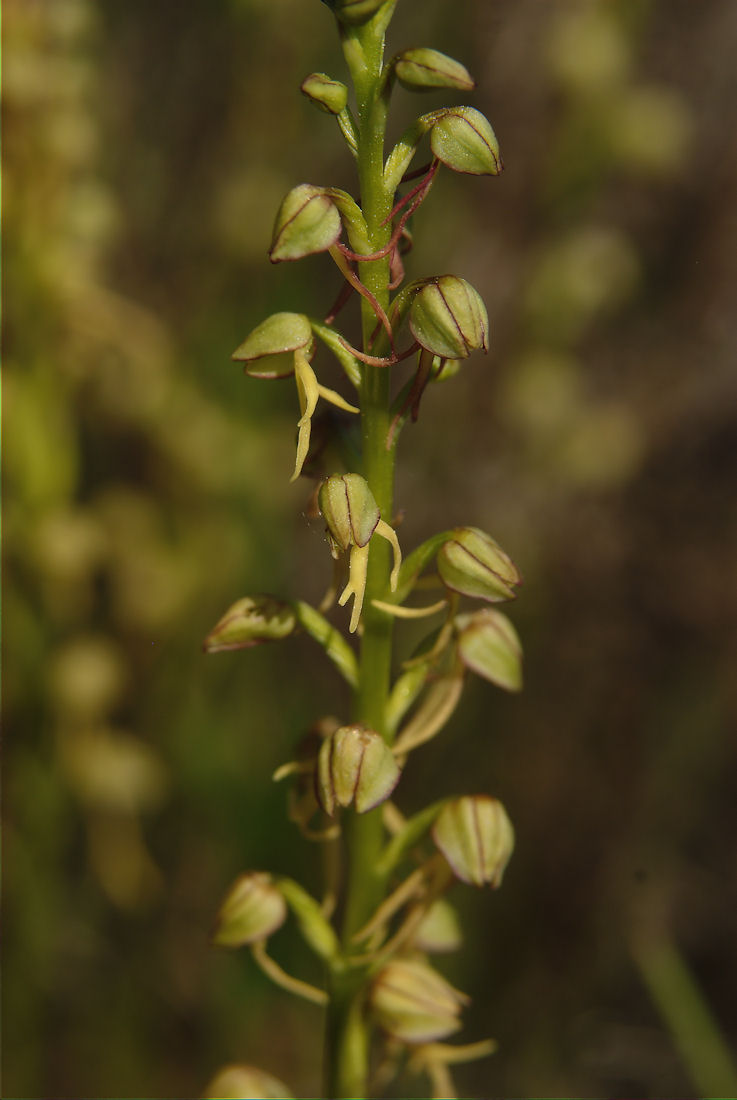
392	912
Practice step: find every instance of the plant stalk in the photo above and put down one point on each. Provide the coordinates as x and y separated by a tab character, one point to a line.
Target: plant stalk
347	1035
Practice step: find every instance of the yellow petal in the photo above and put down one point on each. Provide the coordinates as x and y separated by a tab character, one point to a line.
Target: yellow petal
335	399
356	586
389	534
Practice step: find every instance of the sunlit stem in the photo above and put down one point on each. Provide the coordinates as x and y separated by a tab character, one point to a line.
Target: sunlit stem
347	1028
394	819
294	767
379	955
286	981
442	1082
347	125
455	1055
400	612
442	640
405	892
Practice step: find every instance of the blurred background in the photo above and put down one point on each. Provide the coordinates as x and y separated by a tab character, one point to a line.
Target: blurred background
147	147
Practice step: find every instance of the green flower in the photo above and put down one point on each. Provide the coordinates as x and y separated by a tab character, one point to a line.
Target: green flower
354	766
281	345
352	517
476	837
448	317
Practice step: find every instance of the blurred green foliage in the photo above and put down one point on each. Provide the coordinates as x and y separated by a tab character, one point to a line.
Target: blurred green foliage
146	487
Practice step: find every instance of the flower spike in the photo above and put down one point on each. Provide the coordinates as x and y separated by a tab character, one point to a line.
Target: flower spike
379	971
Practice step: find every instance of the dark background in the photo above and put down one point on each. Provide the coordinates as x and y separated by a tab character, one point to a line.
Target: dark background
147	146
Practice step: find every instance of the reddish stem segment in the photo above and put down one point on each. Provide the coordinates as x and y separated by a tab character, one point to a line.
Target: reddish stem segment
414	197
412	400
339	253
376	360
345	292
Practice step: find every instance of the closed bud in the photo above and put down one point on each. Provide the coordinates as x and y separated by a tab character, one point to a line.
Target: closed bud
449	318
239	1082
249	622
307	221
349	509
464	141
354	11
354	765
268	351
476	837
352	516
439	930
473	564
327	94
283	345
424	69
253	908
489	645
415	1004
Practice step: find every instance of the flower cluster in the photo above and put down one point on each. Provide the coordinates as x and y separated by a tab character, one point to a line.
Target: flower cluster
352	767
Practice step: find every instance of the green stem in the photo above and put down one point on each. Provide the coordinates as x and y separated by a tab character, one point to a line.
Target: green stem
347	1035
686	1013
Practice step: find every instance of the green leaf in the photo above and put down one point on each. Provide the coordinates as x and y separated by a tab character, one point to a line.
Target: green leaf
408	836
315	928
334	644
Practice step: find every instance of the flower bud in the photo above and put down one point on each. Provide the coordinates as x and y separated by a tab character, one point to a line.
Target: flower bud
307	221
352	516
349	509
476	837
251	621
275	340
283	345
239	1082
354	765
415	1004
354	11
439	930
473	564
448	317
423	69
253	908
489	645
327	94
463	140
